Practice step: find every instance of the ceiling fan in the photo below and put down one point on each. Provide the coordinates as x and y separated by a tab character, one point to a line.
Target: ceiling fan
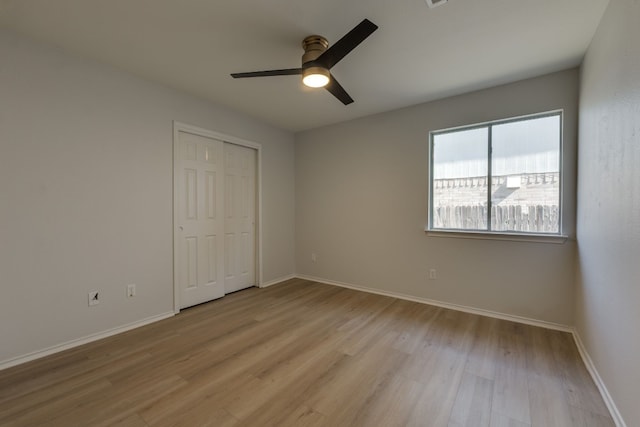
319	58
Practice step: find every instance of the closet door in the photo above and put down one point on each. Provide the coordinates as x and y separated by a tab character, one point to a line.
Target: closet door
199	219
239	217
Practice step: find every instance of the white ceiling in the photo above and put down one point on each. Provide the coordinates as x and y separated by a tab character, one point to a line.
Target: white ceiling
417	55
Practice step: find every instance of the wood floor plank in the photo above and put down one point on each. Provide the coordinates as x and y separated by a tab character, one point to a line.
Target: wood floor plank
356	391
357	378
304	416
133	420
482	357
548	404
472	407
439	366
308	354
391	405
55	405
439	391
284	371
586	418
214	376
499	420
104	409
511	387
414	321
205	414
310	380
579	388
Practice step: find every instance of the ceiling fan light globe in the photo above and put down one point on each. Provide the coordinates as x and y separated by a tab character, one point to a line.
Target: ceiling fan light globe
315	77
315	80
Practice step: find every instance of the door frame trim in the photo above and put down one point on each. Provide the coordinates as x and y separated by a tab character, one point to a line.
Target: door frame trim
195	130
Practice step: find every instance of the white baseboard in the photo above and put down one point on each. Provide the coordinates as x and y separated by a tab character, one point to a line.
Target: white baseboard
457	307
80	341
604	392
278	280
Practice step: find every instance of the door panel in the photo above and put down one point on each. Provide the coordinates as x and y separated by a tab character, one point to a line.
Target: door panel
239	222
199	224
229	250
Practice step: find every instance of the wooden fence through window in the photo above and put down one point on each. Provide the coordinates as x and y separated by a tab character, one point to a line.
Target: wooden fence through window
523	218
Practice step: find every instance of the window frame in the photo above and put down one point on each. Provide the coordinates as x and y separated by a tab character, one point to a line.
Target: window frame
488	233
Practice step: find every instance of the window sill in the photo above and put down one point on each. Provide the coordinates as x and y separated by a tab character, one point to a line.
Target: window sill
557	239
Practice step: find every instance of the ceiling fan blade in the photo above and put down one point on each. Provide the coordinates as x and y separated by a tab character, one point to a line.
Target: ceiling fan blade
346	44
338	91
269	73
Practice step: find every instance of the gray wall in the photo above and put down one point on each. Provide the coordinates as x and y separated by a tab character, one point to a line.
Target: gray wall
361	206
608	286
86	194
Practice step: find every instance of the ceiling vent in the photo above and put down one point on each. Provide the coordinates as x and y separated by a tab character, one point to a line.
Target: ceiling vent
434	3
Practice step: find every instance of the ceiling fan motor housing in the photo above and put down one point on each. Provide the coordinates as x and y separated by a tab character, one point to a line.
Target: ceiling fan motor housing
313	46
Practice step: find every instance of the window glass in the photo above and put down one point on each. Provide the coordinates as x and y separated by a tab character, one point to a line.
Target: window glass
460	170
525	166
501	177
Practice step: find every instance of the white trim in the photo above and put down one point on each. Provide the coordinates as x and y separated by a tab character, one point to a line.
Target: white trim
179	126
457	307
258	228
512	237
176	293
278	280
604	392
183	127
81	341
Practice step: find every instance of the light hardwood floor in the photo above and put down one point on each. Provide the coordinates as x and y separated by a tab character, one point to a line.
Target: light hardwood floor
308	354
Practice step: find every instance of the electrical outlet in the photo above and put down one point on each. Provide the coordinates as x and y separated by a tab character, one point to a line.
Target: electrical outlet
433	274
314	257
131	290
94	298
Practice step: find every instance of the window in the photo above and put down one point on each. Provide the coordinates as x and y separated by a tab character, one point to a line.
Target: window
501	177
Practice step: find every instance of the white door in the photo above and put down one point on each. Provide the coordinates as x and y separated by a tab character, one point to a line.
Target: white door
239	217
199	222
